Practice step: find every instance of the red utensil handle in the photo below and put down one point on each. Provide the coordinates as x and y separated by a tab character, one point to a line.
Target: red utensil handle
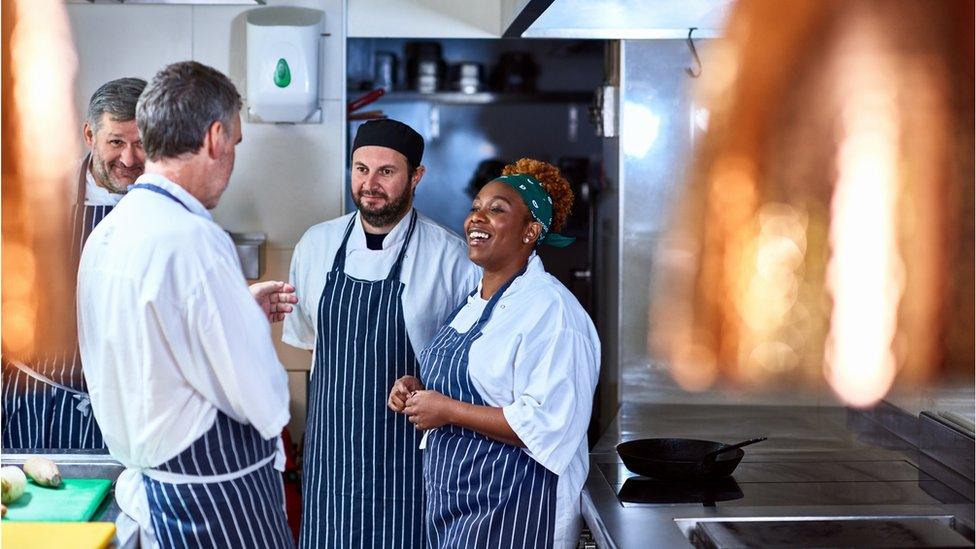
365	99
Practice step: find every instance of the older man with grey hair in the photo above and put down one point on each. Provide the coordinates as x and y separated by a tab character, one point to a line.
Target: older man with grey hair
183	376
45	404
116	157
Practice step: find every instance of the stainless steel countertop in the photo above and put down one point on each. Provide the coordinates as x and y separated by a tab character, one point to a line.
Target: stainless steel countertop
836	464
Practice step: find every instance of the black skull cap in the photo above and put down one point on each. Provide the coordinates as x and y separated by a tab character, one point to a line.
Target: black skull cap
391	134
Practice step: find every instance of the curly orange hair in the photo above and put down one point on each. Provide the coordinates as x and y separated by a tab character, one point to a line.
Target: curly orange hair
552	181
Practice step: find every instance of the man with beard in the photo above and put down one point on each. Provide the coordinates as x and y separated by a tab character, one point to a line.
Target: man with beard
115	158
373	287
45	404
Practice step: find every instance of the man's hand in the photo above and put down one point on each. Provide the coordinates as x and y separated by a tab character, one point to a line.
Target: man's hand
429	409
401	392
275	298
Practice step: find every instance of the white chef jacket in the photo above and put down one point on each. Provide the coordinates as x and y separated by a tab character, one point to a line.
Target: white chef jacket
436	273
94	194
98	196
538	358
170	334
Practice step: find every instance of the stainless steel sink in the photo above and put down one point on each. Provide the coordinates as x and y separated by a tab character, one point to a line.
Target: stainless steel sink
75	465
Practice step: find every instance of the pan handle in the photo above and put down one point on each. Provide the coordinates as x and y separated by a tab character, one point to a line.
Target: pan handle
711	455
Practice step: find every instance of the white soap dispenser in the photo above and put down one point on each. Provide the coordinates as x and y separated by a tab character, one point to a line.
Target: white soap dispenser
283	64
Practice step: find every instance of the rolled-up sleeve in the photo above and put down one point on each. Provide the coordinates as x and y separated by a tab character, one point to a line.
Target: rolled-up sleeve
299	326
554	382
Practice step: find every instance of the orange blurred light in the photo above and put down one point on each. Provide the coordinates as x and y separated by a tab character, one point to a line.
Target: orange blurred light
40	152
826	234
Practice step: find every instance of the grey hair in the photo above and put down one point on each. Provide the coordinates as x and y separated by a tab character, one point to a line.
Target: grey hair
117	98
180	104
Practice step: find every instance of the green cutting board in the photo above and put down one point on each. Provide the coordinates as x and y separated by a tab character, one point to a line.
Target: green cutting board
76	500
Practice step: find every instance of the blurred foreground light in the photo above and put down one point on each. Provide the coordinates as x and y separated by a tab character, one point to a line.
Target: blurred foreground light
40	155
826	235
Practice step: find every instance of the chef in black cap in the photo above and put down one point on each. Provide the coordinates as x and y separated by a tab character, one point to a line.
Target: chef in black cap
374	287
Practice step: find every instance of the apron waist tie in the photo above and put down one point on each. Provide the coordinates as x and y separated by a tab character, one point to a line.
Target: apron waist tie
130	493
170	477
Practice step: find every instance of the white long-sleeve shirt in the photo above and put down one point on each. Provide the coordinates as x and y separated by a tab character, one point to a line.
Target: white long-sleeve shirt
170	334
538	358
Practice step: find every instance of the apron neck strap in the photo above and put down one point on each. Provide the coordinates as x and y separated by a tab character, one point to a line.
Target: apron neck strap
83	180
339	263
460	306
161	191
486	314
397	267
79	214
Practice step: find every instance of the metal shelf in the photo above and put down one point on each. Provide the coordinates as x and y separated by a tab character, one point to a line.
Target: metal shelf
482	98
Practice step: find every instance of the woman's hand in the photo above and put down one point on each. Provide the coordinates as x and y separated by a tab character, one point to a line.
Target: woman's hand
429	409
401	392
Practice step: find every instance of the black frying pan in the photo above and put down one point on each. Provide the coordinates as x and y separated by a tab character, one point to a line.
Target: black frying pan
682	458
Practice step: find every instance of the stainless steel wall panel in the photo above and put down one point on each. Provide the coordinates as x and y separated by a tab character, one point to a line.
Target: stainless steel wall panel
655	142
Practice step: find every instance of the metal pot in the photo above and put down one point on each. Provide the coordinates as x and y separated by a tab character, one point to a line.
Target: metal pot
516	72
467	77
425	66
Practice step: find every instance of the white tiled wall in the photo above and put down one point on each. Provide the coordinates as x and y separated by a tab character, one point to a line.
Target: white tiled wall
287	177
116	41
425	18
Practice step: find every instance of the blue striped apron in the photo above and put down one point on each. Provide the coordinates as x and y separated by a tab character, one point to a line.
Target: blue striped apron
244	506
245	509
362	467
480	492
45	403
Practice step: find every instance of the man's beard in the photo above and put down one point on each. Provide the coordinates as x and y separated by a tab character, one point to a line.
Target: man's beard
385	215
102	173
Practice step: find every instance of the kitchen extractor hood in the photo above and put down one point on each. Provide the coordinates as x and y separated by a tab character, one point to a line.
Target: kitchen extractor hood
619	19
197	2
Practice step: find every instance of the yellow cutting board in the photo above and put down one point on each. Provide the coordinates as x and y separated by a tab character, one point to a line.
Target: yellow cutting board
57	535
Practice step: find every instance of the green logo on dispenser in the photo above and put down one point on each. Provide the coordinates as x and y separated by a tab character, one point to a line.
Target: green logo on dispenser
282	75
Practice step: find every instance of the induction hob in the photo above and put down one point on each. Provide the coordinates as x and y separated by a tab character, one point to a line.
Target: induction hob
760	484
861	533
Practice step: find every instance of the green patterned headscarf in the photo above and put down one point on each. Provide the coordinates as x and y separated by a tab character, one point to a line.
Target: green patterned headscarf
540	205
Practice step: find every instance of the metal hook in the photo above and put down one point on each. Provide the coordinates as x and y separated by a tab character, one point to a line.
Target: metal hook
694	73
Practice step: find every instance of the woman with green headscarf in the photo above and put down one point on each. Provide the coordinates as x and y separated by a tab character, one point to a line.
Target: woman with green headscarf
506	386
